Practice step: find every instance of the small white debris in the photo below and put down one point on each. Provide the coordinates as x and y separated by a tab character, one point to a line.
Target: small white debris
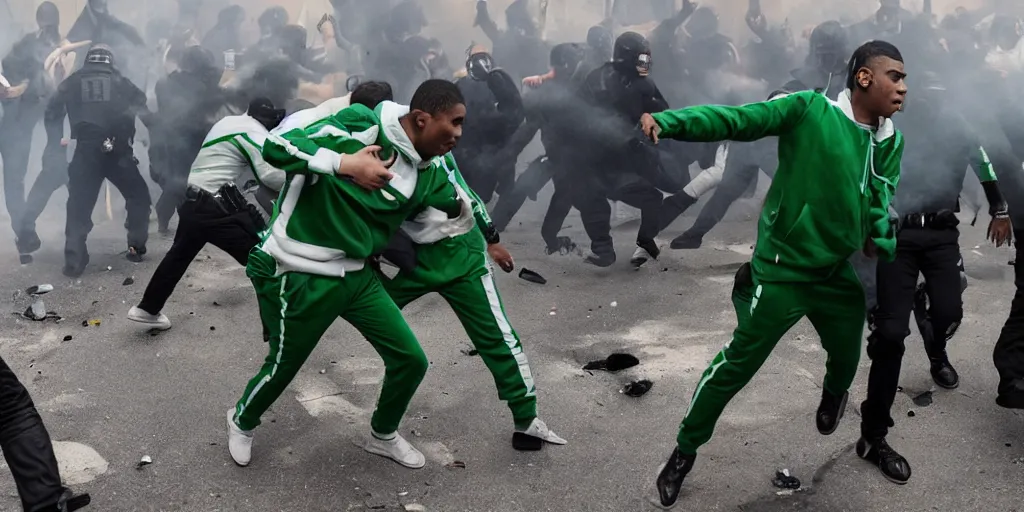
109	268
552	313
415	507
403	493
323	372
615	304
978	253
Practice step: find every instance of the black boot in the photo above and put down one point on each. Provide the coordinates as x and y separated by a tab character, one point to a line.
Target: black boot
687	241
894	467
830	411
27	242
135	254
943	372
1011	396
671	477
673	207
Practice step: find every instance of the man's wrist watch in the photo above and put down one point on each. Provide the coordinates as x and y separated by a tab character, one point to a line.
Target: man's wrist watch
491	235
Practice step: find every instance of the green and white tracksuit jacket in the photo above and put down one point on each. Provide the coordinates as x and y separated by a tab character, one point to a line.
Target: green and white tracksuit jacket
308	269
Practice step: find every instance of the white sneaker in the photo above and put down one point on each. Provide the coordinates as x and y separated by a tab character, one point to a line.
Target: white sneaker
640	256
541	431
396	449
239	441
158	321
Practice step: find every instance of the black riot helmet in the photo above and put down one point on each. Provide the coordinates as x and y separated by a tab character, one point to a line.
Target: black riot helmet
47	15
600	39
479	66
100	54
828	47
632	54
565	58
272	20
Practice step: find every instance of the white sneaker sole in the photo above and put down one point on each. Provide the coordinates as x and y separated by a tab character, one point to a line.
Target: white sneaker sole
231	428
387	455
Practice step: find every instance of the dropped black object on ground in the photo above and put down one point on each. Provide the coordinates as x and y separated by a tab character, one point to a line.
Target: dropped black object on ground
614	363
923	400
638	388
528	275
128	281
783	480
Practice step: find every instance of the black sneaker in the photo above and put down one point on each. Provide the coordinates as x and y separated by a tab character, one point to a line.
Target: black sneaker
687	241
670	479
944	374
135	254
27	242
830	411
606	259
894	466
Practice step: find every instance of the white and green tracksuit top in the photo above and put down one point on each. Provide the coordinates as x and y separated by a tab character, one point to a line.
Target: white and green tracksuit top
433	225
324	224
234	147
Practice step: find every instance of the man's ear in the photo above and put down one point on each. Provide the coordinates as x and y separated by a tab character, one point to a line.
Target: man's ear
864	78
421	119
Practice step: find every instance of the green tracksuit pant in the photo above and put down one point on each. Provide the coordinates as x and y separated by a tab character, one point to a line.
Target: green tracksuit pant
457	269
297	309
765	311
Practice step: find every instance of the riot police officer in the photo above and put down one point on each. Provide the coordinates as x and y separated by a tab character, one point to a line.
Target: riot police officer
23	109
618	93
494	109
101	106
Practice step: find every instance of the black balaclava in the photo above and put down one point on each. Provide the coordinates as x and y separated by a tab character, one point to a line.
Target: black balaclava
518	18
293	42
599	38
272	20
703	23
48	19
565	58
632	55
99	6
828	48
200	62
262	109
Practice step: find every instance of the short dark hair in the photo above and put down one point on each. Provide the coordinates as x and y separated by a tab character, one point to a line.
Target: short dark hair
867	52
371	94
435	96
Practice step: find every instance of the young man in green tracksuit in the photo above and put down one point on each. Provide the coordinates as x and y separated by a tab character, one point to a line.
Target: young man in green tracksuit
839	163
451	259
309	268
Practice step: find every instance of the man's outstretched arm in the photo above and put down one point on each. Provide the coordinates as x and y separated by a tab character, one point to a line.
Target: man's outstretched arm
713	123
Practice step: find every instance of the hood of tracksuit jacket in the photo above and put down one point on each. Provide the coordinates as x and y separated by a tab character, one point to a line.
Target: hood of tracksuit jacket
818	211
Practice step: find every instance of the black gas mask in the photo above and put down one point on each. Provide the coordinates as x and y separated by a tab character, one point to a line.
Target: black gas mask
565	58
479	66
632	54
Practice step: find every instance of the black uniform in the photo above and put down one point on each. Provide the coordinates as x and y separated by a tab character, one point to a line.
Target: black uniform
29	452
494	109
939	146
617	94
24	64
183	97
550	109
519	48
102	106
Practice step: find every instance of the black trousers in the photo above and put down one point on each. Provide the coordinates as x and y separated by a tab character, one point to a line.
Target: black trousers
53	176
26	446
1008	354
740	174
529	184
200	222
935	254
86	172
591	195
16	129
